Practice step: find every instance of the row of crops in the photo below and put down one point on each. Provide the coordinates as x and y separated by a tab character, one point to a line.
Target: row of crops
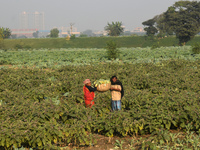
44	108
46	58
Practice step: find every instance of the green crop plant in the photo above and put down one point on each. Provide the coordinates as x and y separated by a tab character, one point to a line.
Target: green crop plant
196	48
57	58
112	51
37	113
118	144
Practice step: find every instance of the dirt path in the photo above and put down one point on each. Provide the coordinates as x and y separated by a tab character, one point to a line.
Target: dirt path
106	143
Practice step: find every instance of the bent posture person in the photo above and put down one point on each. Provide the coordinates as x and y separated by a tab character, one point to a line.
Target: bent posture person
117	93
88	93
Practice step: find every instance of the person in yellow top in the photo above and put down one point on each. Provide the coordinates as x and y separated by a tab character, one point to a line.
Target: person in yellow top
117	92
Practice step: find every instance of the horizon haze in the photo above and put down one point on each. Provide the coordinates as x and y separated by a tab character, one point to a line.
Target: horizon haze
84	14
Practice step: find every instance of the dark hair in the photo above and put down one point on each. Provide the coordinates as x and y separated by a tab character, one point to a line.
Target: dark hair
112	78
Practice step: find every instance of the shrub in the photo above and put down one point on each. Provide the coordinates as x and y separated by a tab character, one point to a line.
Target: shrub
27	47
196	48
18	46
155	45
73	36
83	35
1	40
112	51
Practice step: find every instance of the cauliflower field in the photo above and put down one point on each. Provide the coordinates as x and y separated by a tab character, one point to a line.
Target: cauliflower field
54	58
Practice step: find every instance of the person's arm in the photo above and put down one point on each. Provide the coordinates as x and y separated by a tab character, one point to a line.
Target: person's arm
116	89
91	89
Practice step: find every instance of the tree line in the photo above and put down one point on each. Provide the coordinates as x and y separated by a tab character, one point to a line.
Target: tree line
182	19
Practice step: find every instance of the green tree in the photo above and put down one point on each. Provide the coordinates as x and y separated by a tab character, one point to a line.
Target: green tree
36	34
114	29
54	33
163	28
151	30
6	32
72	37
13	36
88	33
1	33
83	35
182	19
112	51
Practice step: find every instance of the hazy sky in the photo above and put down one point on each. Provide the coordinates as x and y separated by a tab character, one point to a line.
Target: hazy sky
85	14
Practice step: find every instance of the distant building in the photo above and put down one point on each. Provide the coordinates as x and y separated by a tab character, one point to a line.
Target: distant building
23	32
66	31
29	23
43	33
100	33
138	29
32	20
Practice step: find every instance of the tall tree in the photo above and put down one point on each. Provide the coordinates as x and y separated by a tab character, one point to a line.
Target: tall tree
54	33
114	29
183	19
163	28
151	30
88	32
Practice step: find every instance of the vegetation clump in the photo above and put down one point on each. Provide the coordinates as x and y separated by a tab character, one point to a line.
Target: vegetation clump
196	48
179	19
112	51
35	113
114	28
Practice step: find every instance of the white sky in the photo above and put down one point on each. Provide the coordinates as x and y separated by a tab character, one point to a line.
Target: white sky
85	14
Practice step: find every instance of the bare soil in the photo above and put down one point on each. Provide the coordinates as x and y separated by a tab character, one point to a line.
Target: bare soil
106	143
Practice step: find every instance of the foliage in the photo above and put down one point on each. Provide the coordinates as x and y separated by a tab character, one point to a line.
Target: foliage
1	34
6	32
18	46
181	19
22	37
87	33
163	139
163	27
119	144
21	46
162	94
1	39
34	112
151	29
112	51
36	34
29	124
155	45
13	36
83	35
114	29
73	36
94	42
54	33
196	48
56	58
